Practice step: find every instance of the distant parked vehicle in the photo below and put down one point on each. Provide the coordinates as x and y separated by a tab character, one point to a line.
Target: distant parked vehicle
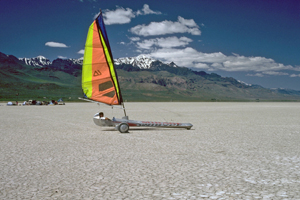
60	102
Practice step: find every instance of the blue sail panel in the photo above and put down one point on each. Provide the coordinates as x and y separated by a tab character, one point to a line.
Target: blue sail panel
101	25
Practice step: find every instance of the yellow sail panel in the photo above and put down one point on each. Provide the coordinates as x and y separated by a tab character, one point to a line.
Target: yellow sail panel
99	79
87	64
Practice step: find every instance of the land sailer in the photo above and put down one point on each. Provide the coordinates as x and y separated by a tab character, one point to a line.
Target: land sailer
100	81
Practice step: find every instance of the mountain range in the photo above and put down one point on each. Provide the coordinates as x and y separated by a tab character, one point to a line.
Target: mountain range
141	79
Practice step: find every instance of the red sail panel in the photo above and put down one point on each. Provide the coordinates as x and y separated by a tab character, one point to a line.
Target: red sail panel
97	80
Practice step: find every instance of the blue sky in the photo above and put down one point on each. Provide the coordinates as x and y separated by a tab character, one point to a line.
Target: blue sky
255	41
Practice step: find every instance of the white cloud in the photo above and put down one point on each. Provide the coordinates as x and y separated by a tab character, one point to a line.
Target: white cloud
258	64
81	51
272	73
122	43
56	44
134	39
62	57
168	42
276	73
257	74
297	68
295	75
187	22
124	15
189	57
167	27
118	16
146	11
201	66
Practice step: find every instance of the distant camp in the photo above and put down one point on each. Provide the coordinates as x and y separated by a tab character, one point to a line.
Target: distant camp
36	102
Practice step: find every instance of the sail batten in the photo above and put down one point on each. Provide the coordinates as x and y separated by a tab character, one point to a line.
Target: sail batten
99	77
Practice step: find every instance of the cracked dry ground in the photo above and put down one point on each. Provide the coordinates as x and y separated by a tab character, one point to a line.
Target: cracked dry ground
234	151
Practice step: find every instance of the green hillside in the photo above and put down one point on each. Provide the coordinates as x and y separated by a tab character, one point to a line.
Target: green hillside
19	82
22	82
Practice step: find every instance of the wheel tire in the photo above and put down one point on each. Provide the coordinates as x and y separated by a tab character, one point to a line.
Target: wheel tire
123	128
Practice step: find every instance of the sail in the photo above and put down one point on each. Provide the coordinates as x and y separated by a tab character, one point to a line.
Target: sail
99	77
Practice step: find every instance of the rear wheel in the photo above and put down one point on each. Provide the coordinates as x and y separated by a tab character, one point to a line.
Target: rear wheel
123	128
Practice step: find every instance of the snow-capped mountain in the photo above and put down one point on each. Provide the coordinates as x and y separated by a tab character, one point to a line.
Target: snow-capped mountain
39	61
78	61
141	61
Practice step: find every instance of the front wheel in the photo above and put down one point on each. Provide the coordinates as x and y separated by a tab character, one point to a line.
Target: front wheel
123	128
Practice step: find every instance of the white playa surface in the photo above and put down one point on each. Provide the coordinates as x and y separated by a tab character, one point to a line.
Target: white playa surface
233	151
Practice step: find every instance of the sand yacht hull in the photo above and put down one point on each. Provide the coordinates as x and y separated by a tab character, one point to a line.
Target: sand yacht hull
124	122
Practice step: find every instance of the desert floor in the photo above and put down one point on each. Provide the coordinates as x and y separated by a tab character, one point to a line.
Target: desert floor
233	151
